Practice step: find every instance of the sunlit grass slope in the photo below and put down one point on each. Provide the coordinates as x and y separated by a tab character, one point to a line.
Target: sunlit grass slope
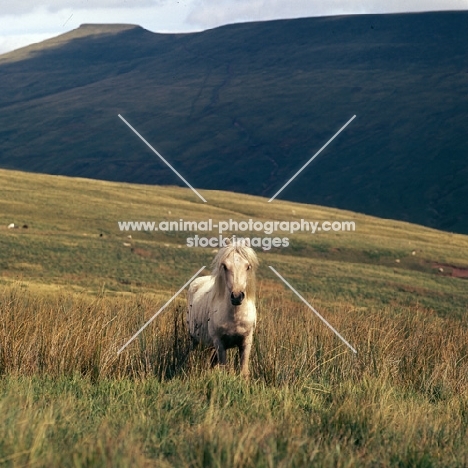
73	239
72	293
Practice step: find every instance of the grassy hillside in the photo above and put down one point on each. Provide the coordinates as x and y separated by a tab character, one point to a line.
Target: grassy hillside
71	293
73	237
242	107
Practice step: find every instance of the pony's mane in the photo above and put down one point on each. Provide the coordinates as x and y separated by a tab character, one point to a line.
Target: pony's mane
247	253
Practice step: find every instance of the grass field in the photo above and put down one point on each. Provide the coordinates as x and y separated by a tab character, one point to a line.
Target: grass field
72	293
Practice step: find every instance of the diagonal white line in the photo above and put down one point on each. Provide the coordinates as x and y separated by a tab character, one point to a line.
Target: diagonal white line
160	310
162	159
67	20
313	310
312	158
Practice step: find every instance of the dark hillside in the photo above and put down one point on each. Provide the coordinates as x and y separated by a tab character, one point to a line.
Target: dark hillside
242	107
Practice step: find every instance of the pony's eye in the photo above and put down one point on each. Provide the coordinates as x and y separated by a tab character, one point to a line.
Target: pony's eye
249	267
223	266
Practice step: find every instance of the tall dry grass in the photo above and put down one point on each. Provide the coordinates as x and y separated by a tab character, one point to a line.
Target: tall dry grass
68	400
65	334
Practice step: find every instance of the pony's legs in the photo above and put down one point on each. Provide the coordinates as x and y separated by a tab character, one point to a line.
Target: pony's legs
244	354
219	355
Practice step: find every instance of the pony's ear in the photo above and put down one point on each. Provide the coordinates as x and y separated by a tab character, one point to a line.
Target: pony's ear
227	241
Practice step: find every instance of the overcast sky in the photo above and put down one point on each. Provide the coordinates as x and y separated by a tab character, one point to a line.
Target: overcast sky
26	21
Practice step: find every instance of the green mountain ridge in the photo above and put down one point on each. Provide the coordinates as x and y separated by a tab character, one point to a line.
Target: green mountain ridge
244	106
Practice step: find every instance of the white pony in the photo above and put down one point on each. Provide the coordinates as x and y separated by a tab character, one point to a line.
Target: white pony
221	307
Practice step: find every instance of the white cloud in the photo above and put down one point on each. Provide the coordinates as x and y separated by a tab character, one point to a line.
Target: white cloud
26	6
211	13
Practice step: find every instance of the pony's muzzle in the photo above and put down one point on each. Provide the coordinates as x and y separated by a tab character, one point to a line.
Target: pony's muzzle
236	299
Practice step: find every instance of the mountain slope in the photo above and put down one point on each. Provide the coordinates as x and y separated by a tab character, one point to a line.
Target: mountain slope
73	239
244	106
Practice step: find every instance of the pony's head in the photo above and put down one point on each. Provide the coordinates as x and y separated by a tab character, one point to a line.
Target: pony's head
234	269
